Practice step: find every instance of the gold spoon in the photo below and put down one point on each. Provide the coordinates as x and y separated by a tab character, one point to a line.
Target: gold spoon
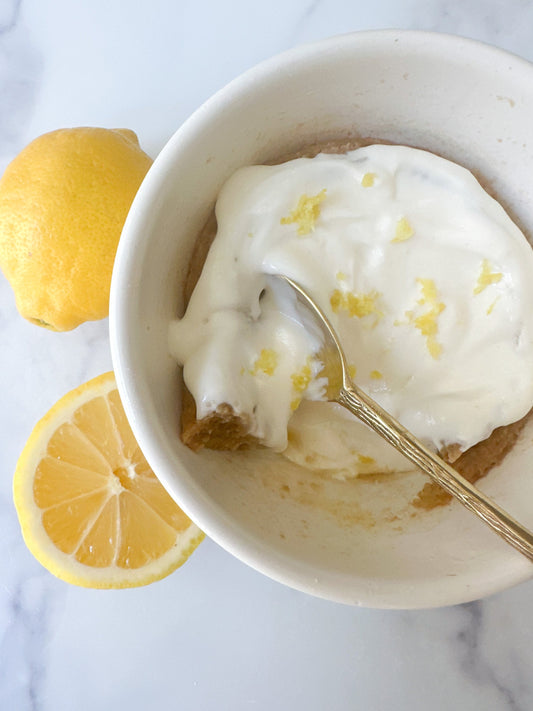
342	390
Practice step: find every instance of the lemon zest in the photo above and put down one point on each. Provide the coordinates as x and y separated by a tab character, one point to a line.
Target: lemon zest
363	459
295	403
266	363
404	230
427	322
486	277
302	378
491	307
359	305
367	181
306	212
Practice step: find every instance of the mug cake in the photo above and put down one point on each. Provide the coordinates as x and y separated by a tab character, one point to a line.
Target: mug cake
423	275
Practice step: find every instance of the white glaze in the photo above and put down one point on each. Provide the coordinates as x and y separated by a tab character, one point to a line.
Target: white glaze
407	233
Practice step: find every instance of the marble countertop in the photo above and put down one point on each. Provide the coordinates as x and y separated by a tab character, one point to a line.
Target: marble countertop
216	635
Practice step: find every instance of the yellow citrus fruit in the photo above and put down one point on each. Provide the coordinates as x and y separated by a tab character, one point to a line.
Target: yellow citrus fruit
63	203
90	508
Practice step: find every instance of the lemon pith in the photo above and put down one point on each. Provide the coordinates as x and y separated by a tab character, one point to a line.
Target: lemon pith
90	508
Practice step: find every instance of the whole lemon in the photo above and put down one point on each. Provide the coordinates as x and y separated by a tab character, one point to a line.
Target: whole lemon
63	203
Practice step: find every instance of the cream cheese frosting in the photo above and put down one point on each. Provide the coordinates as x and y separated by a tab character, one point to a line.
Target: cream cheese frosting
426	279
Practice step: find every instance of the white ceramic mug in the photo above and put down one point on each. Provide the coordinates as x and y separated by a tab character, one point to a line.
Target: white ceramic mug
464	100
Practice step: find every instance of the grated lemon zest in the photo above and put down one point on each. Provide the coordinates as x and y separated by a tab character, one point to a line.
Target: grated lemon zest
368	179
486	277
306	212
363	459
427	323
302	378
491	307
404	231
359	305
266	363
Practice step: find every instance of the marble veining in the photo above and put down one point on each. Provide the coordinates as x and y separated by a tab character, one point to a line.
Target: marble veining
20	73
506	24
473	660
10	16
216	635
31	607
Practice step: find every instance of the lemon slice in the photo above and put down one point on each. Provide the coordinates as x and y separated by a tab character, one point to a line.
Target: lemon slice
90	508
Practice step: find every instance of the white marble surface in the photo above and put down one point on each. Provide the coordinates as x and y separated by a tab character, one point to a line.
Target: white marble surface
215	635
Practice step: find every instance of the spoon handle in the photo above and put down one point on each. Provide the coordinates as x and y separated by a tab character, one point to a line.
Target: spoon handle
373	415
